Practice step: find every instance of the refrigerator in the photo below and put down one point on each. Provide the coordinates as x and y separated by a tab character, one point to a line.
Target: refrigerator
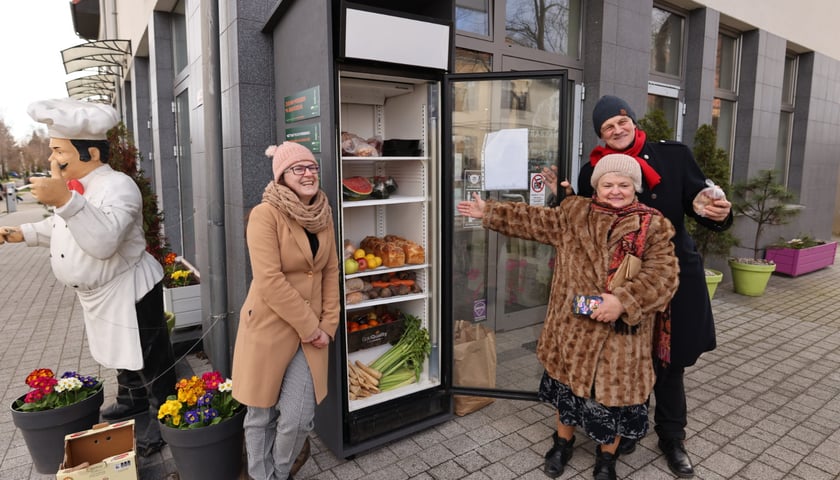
399	140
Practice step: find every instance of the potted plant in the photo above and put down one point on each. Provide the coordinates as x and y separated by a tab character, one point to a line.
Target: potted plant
764	201
202	423
714	163
53	408
801	255
181	291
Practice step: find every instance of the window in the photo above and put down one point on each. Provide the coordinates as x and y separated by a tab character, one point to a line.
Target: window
666	41
473	16
727	60
549	25
786	119
470	61
179	39
666	98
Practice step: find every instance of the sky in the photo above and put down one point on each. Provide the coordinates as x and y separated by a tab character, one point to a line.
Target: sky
32	35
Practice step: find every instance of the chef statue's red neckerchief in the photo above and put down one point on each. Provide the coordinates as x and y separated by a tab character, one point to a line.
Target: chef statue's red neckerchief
76	186
651	177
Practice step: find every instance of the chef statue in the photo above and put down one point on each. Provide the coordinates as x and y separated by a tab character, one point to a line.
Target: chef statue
97	248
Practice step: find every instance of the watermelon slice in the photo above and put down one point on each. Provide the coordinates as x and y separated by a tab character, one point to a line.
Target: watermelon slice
356	188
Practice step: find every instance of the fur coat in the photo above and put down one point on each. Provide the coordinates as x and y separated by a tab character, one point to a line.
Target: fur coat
590	356
692	322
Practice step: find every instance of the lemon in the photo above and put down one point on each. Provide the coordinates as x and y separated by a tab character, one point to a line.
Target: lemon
359	253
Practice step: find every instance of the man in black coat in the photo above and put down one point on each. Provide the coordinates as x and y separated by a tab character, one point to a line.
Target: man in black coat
672	184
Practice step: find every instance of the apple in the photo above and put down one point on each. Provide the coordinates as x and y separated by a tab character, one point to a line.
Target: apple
350	266
363	264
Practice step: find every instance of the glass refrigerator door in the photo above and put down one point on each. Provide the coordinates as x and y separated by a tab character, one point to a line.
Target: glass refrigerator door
503	283
389	172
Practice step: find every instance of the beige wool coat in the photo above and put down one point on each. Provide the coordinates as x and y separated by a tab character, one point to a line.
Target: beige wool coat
291	294
582	353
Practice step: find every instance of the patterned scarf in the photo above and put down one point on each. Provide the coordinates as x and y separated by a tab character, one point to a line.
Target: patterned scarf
313	217
634	243
652	178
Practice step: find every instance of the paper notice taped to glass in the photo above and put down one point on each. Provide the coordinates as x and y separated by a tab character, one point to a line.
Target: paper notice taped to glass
505	159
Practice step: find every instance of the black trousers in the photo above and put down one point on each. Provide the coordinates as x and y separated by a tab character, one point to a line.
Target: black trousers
157	379
671	414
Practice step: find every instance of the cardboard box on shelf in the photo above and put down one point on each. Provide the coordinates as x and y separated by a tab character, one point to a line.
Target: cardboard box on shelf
105	452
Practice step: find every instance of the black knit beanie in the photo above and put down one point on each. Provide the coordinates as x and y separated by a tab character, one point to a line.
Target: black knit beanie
607	107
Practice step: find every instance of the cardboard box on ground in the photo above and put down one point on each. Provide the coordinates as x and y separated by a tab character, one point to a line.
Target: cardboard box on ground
105	452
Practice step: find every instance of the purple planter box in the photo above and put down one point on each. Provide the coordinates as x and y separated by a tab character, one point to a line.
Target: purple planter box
795	262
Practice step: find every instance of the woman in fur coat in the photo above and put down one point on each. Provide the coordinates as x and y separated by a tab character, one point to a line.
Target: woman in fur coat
289	316
599	366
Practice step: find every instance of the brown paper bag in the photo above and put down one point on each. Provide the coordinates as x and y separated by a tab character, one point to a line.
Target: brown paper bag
474	364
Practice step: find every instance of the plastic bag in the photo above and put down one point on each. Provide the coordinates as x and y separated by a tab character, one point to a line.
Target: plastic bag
706	196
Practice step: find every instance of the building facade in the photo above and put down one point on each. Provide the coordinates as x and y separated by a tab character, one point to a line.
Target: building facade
198	92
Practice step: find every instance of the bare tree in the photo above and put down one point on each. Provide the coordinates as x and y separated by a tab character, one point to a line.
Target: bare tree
35	153
9	151
540	24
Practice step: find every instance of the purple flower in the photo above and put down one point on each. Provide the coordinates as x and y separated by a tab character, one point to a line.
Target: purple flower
192	416
210	414
205	399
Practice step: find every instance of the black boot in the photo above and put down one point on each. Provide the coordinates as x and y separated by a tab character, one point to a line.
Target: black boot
132	398
676	456
626	446
559	455
604	465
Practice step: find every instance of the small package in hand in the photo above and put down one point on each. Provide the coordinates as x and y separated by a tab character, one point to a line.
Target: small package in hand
586	304
706	196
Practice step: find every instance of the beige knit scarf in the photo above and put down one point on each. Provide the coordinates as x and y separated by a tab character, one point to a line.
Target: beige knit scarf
313	217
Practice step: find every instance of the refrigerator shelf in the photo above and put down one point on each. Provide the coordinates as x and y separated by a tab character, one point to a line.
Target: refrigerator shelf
383	397
385	301
393	200
378	270
368	356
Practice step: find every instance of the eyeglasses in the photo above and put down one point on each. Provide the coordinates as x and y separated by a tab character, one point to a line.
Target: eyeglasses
299	170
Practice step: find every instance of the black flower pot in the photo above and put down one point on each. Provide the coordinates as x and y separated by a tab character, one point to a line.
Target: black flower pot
44	431
208	452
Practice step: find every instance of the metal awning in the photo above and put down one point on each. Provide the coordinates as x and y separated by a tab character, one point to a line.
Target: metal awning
101	53
105	60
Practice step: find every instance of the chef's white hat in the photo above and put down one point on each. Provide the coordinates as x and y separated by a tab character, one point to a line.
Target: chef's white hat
74	119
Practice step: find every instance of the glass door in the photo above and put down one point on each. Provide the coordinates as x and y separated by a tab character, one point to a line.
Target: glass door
505	127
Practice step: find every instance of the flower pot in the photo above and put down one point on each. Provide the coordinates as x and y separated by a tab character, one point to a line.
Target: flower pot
207	452
185	304
713	278
750	279
797	261
44	431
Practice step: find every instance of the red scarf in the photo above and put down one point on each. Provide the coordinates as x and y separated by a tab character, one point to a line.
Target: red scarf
651	177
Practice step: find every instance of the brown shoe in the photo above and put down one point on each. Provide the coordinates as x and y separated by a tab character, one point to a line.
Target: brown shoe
302	457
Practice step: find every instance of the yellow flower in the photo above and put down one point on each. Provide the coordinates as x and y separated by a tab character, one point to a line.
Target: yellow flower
171	408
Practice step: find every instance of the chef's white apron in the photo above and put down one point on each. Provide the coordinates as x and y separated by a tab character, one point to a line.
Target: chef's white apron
111	323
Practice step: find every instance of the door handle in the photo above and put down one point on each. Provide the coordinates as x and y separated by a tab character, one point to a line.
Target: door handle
513	197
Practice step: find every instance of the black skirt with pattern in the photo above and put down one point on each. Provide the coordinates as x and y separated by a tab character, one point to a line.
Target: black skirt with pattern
600	422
